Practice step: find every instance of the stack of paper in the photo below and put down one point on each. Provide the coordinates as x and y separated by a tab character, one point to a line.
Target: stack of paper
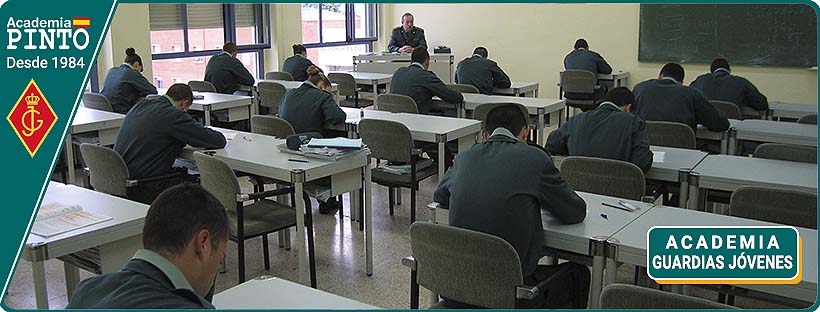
56	218
395	169
336	143
657	157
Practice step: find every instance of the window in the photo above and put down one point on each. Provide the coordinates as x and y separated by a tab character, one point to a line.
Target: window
155	48
157	82
337	58
335	32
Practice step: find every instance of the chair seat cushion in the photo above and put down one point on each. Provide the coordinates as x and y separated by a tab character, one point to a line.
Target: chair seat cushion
263	217
88	259
424	169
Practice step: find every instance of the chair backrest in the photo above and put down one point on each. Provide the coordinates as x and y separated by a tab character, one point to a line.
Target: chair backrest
578	81
270	95
631	297
396	103
345	83
218	178
97	101
786	152
107	169
604	176
463	88
201	86
671	134
278	75
781	206
465	265
481	111
271	125
808	119
729	109
386	139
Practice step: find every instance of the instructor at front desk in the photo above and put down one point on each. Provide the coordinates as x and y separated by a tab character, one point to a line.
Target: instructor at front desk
406	38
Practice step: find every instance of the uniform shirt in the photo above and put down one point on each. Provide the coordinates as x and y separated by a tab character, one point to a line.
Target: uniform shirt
723	86
667	100
153	133
297	66
583	59
500	186
413	38
422	85
148	281
307	109
482	73
124	86
605	132
227	73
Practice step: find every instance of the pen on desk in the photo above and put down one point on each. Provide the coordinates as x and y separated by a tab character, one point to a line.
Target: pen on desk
617	207
298	160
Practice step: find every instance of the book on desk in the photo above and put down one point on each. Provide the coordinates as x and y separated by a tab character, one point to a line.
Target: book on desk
57	218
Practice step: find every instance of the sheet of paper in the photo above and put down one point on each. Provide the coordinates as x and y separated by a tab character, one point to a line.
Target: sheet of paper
336	142
67	222
657	157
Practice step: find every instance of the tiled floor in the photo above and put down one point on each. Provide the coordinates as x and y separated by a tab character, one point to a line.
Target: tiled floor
339	257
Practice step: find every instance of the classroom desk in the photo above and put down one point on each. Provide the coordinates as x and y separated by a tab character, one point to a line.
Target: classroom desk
387	63
767	131
617	78
723	136
273	293
779	110
535	106
290	85
106	124
118	239
258	154
630	245
374	80
239	107
519	88
586	239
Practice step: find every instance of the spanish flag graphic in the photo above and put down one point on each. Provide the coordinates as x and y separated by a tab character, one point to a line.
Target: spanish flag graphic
82	22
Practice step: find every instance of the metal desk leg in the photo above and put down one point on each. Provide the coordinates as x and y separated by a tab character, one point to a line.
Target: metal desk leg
597	247
541	125
207	109
611	261
732	142
38	272
398	195
72	278
297	177
368	219
694	191
68	148
724	143
441	139
683	179
375	89
535	92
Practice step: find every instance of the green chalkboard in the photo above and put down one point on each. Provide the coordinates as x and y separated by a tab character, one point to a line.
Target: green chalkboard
747	34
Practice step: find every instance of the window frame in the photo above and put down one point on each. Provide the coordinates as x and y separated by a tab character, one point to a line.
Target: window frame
350	35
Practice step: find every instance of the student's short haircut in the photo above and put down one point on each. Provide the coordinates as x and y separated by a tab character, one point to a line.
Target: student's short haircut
406	15
298	49
621	96
719	63
180	91
581	43
481	51
419	56
508	116
177	214
673	70
229	47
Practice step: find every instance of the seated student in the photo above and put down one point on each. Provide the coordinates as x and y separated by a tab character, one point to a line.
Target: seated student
581	58
298	64
609	131
422	85
481	72
152	135
666	99
226	72
500	186
721	85
125	85
310	106
184	239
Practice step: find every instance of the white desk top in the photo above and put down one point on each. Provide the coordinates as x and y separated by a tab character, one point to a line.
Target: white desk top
422	127
775	131
128	219
296	84
368	78
521	86
271	293
792	110
703	133
727	173
87	119
217	101
674	160
616	74
472	100
389	56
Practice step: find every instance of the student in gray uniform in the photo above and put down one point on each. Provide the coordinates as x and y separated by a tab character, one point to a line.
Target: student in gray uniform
226	72
609	131
721	85
125	85
481	72
309	107
500	186
152	135
666	99
581	58
297	65
422	85
407	37
184	240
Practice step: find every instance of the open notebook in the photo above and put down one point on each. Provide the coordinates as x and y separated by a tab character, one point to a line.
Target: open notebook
57	218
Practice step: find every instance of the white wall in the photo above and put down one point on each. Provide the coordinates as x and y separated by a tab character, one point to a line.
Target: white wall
130	27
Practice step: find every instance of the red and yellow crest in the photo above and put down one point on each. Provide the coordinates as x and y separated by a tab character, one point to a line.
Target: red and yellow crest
32	118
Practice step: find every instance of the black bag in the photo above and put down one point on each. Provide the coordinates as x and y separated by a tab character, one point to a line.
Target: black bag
294	141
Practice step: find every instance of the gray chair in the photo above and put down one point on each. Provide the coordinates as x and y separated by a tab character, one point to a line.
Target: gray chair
97	101
271	125
481	111
781	206
786	152
631	297
270	95
729	109
670	134
396	103
108	172
471	267
463	88
604	176
247	221
580	89
278	75
808	119
391	141
348	88
201	86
